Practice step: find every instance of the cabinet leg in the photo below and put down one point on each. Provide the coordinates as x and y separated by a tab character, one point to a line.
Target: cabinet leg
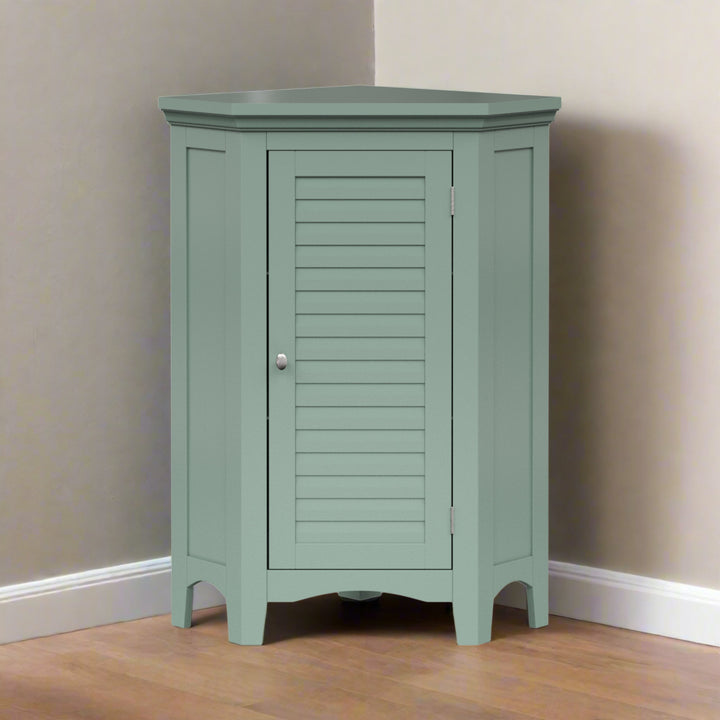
537	604
473	622
246	623
182	605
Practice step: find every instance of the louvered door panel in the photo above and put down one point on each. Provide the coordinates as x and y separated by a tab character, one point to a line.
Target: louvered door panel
360	302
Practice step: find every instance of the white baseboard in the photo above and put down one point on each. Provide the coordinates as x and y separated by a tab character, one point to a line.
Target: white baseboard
659	607
142	589
95	597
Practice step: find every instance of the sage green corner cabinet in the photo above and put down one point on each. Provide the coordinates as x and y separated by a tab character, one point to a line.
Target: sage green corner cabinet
359	348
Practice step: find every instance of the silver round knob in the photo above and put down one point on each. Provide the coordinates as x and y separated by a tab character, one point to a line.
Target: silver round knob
281	361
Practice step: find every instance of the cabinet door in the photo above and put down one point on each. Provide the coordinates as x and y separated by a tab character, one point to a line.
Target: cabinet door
359	300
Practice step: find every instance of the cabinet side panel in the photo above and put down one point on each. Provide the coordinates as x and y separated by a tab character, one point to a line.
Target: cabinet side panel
206	353
513	354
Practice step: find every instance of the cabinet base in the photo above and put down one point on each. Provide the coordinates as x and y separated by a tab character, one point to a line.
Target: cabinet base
472	616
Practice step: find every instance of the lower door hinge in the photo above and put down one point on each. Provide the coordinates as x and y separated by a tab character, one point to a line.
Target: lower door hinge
452	520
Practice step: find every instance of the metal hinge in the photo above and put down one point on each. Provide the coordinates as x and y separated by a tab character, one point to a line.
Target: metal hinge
452	199
452	520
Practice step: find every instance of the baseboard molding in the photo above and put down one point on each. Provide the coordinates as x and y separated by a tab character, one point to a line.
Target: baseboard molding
142	589
659	607
91	598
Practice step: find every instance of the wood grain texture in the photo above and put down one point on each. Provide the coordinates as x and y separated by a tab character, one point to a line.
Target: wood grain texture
395	658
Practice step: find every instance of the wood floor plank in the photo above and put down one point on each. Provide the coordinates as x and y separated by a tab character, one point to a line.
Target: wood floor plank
57	685
631	680
226	677
391	689
17	713
482	682
323	658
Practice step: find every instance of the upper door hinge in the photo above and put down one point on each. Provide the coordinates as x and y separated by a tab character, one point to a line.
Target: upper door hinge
452	199
452	520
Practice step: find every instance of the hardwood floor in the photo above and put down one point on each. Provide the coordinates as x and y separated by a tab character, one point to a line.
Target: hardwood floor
323	658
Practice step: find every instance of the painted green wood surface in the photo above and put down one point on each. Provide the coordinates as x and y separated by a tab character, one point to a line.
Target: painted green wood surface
182	594
360	140
218	407
361	303
361	123
366	211
512	497
365	256
473	390
438	367
336	358
537	583
245	394
349	418
359	100
360	348
500	404
348	233
360	486
281	339
427	585
360	325
354	109
206	353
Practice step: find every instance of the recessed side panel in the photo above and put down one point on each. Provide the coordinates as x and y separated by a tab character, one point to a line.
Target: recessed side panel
206	353
513	354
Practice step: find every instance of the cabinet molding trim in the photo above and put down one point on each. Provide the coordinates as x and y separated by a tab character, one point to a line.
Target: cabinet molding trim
359	124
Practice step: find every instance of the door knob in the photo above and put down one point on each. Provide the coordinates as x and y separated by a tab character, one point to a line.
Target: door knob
281	361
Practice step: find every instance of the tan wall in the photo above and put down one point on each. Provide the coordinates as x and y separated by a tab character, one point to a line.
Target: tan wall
635	233
84	247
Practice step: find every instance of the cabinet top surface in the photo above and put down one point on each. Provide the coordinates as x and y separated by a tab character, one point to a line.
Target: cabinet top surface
358	100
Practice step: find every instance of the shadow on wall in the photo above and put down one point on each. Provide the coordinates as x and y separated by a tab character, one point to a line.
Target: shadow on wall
615	324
